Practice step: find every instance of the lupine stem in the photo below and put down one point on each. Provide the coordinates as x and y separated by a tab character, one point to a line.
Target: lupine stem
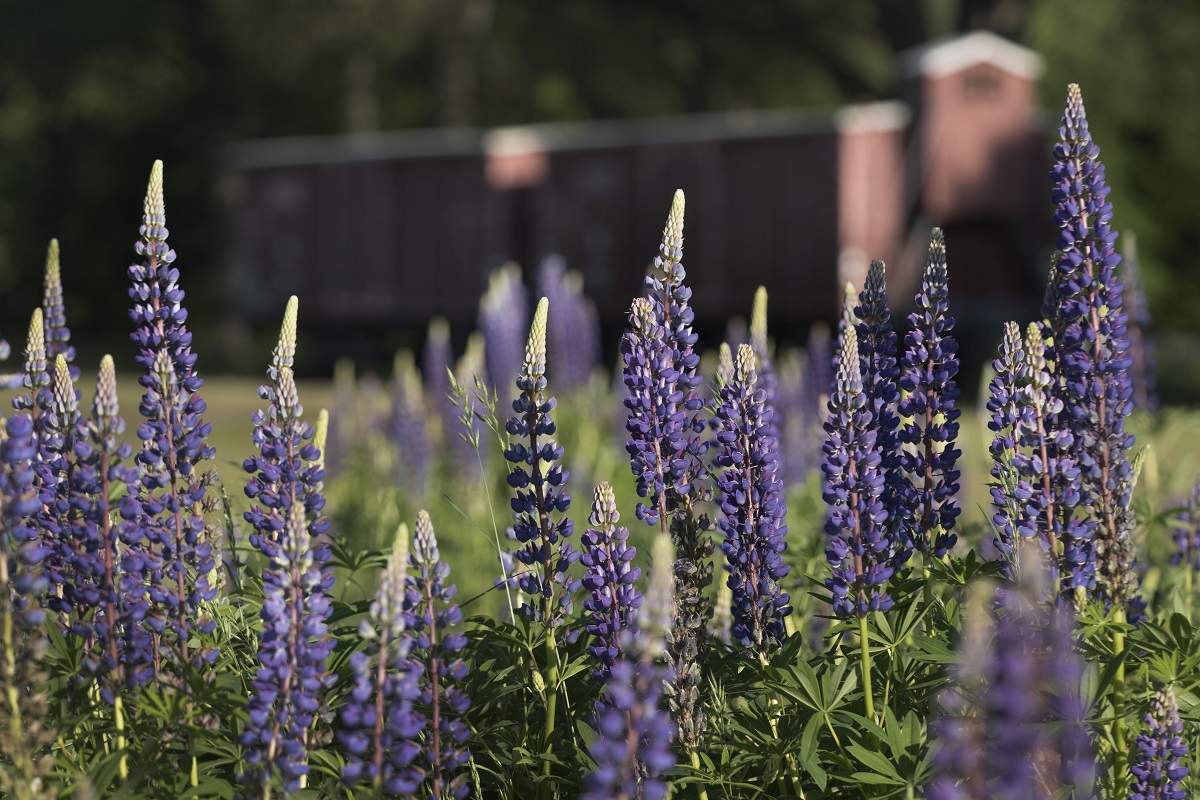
865	646
1120	753
696	766
551	704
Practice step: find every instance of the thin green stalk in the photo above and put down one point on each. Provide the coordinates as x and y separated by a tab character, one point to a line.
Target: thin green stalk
547	790
119	719
696	766
793	773
865	647
1120	753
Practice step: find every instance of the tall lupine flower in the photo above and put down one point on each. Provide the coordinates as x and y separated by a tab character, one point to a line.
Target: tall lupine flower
633	744
433	616
1158	766
928	455
38	398
1141	346
610	580
879	368
117	646
503	320
23	738
750	495
861	552
287	470
541	501
437	360
174	447
1013	726
292	652
1092	350
61	439
58	335
1187	536
1005	404
380	726
667	452
573	339
409	428
796	429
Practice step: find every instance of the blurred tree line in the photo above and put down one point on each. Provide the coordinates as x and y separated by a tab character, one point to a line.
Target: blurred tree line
91	93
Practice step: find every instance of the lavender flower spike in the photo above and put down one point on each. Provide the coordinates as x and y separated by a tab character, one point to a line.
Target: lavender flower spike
610	579
173	543
877	348
58	335
436	359
409	428
1187	536
433	615
1005	404
1159	766
540	484
759	341
860	551
380	726
928	456
750	495
503	317
292	653
633	744
1093	354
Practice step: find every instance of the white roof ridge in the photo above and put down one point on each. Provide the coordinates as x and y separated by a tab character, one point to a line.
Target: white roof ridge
954	53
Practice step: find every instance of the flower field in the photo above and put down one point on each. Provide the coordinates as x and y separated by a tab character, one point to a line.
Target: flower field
750	572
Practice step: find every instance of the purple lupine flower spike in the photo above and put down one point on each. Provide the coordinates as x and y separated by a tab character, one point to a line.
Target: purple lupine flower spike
288	469
1141	346
928	456
97	566
436	361
1013	718
750	495
572	338
292	652
667	455
38	398
380	726
58	335
1187	535
1159	763
862	554
409	427
1005	402
1092	351
19	542
504	320
880	369
610	580
63	435
632	748
176	550
433	616
541	501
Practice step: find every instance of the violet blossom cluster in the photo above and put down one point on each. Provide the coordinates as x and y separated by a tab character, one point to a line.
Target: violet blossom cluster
20	544
292	655
863	550
57	334
98	584
610	579
573	326
925	503
632	748
165	522
1013	725
1159	762
540	504
1086	319
879	371
433	616
381	726
750	495
503	321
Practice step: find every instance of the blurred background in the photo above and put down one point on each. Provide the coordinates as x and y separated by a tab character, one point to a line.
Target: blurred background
380	157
